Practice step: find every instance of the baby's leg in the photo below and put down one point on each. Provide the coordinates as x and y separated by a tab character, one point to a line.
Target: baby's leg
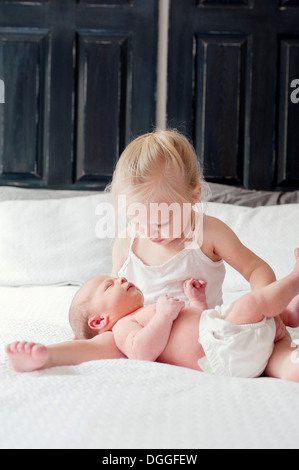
290	315
269	301
284	362
196	292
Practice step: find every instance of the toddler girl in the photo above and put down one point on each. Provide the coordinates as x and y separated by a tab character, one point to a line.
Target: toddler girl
158	171
161	169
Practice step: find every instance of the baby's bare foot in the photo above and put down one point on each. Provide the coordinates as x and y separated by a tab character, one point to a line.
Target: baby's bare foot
27	357
195	290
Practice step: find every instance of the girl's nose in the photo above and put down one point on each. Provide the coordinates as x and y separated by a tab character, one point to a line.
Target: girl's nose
122	280
154	232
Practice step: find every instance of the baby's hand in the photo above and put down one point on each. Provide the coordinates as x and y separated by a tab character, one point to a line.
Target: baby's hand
195	289
169	306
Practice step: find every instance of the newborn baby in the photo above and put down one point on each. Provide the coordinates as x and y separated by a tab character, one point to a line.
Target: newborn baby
107	308
233	340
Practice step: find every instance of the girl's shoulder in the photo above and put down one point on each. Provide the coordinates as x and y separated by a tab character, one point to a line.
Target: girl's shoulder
216	229
217	238
210	224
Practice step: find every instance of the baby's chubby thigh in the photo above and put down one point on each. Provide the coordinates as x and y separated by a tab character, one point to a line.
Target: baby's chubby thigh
246	310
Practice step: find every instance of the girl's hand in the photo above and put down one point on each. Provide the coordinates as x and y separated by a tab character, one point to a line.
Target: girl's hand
169	306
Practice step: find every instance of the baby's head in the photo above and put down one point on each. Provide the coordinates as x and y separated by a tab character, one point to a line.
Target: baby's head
100	303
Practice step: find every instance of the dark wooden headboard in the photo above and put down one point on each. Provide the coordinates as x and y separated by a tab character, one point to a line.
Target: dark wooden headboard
232	68
81	81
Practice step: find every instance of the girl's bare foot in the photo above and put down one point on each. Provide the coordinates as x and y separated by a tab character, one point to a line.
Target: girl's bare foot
27	357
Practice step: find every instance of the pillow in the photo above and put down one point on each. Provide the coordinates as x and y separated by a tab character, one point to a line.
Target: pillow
272	232
53	241
251	198
10	193
57	241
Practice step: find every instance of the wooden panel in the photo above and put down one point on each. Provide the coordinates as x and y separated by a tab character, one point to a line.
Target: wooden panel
109	3
25	2
23	65
222	2
289	3
104	98
251	142
220	105
288	161
89	87
2	91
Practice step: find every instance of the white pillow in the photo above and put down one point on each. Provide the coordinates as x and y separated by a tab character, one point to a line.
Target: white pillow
54	241
47	242
11	193
272	232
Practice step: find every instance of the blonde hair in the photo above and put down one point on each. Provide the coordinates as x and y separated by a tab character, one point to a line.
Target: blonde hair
155	167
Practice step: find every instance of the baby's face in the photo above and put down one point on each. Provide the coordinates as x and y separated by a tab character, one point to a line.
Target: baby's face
113	296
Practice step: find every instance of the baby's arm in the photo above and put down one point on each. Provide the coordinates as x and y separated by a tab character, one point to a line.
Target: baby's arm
147	341
28	357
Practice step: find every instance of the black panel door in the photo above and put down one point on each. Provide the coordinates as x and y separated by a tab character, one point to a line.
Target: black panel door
80	82
233	66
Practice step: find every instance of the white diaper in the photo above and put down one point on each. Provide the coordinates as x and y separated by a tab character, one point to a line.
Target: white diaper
234	350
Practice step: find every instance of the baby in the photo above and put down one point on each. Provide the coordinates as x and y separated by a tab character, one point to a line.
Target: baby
232	340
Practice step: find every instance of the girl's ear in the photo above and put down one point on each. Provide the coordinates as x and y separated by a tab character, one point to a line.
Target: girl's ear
98	322
196	193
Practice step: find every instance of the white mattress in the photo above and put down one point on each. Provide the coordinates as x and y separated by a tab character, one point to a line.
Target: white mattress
128	404
124	403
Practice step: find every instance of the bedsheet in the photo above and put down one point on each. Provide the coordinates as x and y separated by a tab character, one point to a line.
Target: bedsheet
127	404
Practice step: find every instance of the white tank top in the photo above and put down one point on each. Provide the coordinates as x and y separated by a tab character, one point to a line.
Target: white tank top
168	277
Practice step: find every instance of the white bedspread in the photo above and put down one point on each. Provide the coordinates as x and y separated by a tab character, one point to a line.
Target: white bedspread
124	403
140	405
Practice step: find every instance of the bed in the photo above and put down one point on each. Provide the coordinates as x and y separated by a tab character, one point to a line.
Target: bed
48	248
